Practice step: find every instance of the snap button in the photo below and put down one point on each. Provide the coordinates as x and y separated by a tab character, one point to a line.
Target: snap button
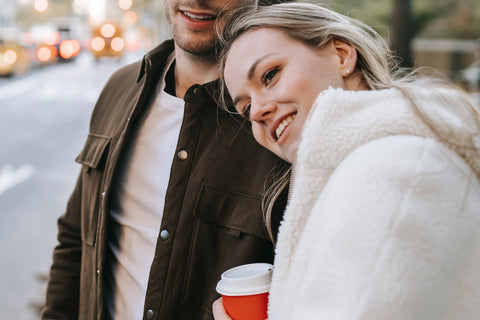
182	155
149	314
164	234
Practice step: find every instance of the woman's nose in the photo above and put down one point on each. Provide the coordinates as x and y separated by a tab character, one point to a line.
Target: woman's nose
262	111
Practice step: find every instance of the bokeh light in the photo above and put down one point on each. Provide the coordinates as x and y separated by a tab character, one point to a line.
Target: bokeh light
130	17
108	30
40	5
117	44
125	4
98	43
10	56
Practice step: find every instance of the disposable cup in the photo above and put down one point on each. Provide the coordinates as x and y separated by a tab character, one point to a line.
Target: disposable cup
244	291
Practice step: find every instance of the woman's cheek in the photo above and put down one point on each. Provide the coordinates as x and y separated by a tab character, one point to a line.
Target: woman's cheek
261	134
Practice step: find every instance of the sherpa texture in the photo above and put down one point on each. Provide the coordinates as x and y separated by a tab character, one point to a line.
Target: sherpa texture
383	220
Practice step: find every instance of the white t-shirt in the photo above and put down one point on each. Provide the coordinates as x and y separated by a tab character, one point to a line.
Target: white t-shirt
138	200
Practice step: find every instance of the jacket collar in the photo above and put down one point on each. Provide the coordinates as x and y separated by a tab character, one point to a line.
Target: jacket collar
155	60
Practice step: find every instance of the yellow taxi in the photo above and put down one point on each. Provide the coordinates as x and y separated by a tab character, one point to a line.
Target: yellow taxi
107	41
15	58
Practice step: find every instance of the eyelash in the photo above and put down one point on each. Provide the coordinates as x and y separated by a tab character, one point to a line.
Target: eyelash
268	76
246	111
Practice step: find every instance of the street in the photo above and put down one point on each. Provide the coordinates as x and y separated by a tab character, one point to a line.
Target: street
44	120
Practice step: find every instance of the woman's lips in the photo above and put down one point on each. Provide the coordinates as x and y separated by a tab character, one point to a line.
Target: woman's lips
283	125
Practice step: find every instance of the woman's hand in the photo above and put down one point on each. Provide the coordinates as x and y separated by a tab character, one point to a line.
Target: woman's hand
219	312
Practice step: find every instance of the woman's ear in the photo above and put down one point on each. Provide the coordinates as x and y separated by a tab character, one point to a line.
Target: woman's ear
347	57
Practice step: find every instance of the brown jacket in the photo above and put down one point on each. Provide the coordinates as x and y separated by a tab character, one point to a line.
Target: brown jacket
212	209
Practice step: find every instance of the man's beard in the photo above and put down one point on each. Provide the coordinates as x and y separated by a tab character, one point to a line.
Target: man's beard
205	49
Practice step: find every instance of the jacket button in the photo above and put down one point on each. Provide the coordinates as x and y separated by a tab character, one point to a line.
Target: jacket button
164	234
149	314
182	155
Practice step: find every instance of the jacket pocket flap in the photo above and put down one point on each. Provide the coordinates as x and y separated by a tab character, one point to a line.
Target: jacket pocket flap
235	211
93	150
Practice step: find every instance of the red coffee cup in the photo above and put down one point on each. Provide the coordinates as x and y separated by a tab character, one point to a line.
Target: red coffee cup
244	291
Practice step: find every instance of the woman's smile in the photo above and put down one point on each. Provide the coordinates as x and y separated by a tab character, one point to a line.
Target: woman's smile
276	84
283	125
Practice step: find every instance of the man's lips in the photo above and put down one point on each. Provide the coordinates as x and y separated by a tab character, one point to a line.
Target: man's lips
198	20
199	16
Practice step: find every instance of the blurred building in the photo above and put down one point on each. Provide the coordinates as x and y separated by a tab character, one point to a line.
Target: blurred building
448	56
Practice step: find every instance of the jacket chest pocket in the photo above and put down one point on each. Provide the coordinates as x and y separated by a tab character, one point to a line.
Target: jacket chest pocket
229	230
92	158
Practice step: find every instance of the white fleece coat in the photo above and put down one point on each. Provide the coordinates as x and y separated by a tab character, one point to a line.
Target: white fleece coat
383	220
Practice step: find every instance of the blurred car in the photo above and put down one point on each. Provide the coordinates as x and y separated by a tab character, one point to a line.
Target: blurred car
44	39
107	41
53	44
15	58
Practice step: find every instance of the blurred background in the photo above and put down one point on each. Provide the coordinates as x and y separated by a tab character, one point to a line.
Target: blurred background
56	55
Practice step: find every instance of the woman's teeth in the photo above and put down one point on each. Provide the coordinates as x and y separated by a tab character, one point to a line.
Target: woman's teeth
198	16
281	127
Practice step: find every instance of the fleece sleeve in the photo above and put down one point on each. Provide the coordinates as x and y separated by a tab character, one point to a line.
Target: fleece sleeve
394	235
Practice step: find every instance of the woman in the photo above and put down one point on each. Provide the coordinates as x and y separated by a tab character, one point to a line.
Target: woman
383	220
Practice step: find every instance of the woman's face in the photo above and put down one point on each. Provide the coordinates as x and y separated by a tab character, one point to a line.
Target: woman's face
274	80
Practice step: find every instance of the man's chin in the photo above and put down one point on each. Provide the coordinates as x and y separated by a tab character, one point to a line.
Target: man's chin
197	48
201	53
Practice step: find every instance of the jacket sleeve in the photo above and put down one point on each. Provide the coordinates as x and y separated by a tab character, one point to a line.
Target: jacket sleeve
62	297
394	235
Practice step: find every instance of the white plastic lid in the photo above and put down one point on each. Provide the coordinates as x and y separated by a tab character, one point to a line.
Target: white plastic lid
248	279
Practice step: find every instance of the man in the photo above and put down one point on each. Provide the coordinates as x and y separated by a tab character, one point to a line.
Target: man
169	195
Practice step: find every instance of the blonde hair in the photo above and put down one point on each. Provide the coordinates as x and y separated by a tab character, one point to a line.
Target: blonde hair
316	26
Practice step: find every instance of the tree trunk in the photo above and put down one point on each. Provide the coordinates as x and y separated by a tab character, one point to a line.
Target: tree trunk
402	31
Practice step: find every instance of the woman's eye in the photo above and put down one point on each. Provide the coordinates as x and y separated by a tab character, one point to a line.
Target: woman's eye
268	76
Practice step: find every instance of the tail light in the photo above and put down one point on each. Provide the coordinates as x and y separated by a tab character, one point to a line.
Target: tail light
66	49
46	53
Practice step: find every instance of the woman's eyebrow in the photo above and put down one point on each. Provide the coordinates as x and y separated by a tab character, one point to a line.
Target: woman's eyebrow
251	72
254	65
